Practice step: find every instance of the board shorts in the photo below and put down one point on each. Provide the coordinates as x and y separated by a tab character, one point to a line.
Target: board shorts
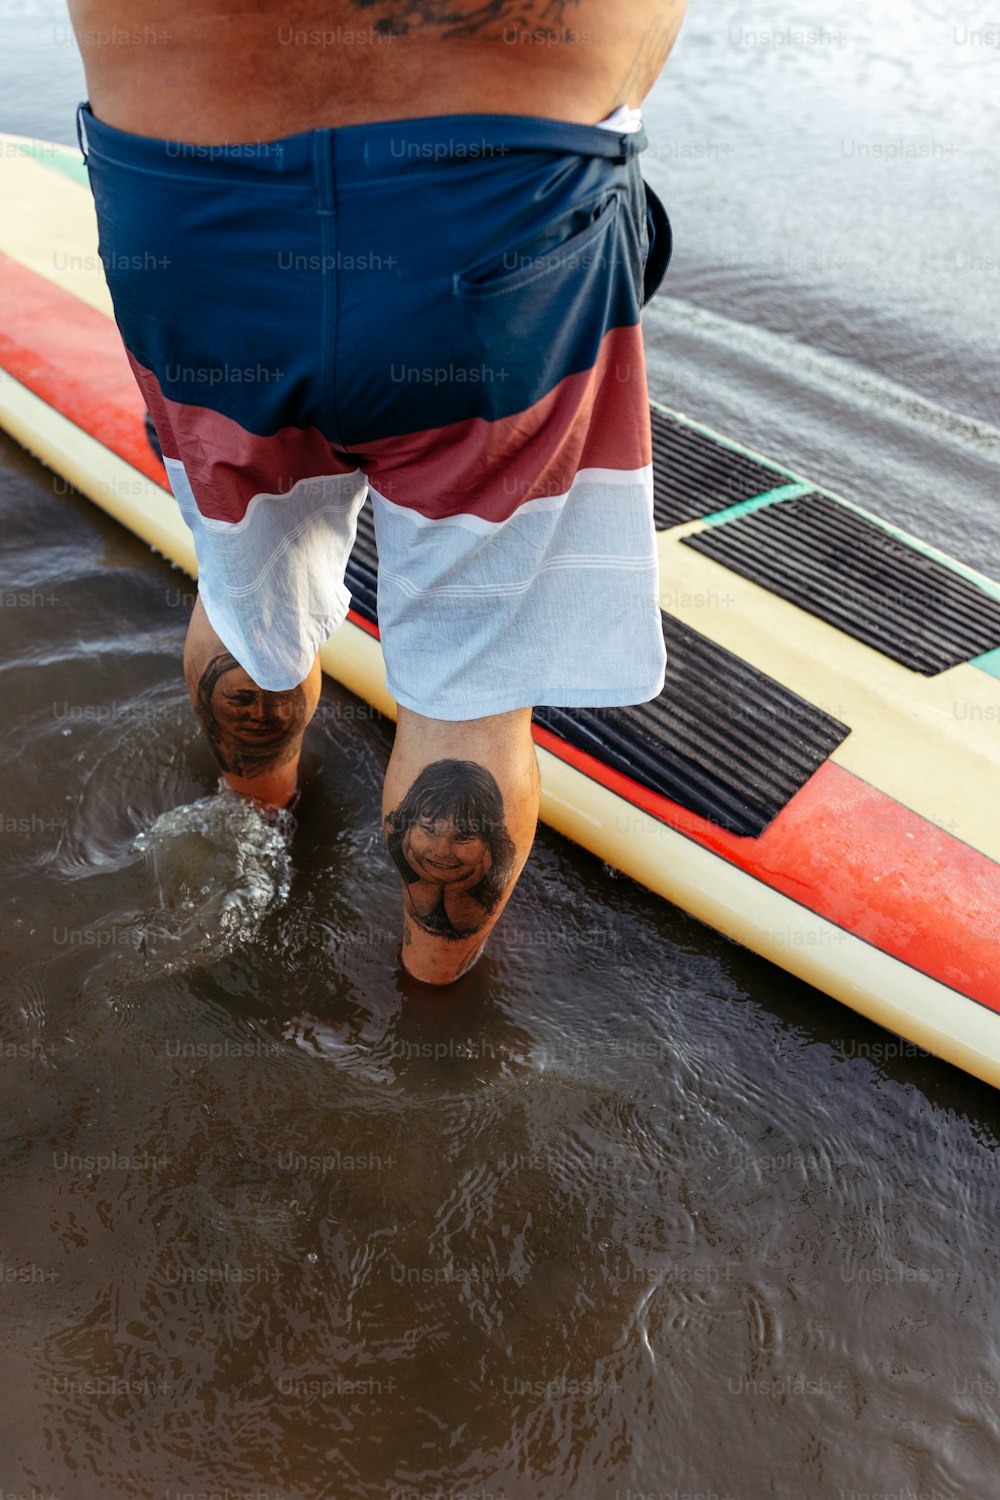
442	314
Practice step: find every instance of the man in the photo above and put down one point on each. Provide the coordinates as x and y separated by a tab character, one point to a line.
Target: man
397	248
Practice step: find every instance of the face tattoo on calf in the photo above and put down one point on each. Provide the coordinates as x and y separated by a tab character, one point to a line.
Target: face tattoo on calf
451	845
250	729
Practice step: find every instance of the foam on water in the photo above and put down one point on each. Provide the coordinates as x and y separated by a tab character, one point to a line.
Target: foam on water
219	865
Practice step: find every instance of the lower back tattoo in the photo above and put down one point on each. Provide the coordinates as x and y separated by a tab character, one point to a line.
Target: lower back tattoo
462	17
652	50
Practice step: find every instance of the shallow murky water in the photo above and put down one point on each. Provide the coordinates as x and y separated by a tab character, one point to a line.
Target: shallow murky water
629	1211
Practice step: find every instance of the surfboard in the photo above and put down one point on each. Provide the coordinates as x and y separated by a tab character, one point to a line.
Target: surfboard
818	779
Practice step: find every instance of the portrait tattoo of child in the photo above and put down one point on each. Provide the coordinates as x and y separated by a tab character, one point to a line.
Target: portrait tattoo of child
249	729
451	846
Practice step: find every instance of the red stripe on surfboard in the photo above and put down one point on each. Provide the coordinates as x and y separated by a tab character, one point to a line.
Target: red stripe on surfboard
72	357
854	855
363	624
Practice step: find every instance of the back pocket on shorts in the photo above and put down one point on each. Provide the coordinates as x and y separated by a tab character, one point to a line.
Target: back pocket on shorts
574	242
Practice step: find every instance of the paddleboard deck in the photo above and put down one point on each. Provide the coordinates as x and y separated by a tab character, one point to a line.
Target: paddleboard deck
817	779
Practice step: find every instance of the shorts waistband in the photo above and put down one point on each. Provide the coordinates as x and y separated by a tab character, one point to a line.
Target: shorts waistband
366	150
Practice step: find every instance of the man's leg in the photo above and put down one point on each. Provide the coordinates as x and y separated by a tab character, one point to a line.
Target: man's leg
255	735
459	808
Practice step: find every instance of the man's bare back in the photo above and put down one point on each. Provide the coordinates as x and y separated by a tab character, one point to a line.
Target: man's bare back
214	72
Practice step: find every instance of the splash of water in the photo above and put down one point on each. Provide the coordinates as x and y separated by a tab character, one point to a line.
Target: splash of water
219	865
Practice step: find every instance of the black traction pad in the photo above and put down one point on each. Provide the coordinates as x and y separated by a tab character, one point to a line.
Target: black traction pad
855	575
694	476
722	739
